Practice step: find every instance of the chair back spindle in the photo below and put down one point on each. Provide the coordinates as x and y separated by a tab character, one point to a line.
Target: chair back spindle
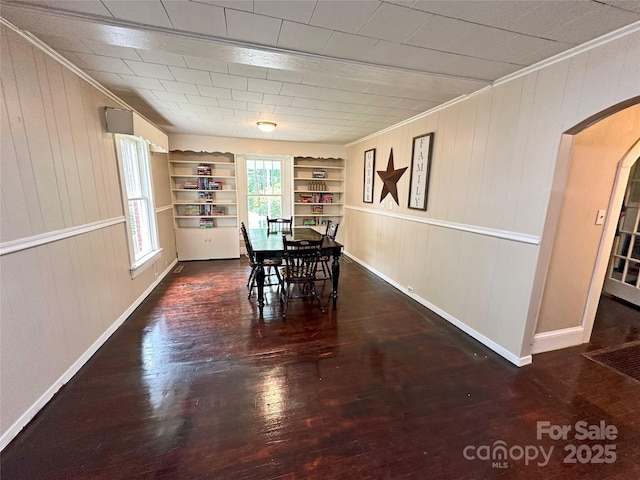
282	225
332	230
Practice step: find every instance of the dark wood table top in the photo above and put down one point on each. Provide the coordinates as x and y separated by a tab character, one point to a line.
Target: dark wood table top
264	242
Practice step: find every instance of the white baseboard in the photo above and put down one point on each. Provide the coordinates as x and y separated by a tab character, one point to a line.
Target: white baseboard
26	417
499	349
557	339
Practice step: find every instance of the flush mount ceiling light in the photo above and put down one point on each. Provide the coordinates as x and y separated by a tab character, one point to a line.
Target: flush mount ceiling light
267	126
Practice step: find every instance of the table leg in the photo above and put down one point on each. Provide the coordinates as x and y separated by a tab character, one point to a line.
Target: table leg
335	275
260	285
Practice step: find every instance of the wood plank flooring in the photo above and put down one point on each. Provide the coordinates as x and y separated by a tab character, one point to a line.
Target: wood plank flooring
193	386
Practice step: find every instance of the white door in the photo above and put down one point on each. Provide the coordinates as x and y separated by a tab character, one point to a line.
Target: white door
623	279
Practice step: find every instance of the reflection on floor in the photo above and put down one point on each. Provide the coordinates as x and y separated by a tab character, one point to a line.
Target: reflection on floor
194	386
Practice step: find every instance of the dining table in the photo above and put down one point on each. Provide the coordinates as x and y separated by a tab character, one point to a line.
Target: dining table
270	245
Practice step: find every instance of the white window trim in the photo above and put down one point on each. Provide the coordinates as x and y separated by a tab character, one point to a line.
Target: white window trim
143	263
287	183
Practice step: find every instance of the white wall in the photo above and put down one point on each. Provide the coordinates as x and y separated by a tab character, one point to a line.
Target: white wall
65	283
493	164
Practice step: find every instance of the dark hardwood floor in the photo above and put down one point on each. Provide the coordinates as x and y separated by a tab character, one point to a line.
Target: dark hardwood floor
193	386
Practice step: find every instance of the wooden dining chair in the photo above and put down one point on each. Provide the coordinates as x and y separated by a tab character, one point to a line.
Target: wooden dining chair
323	265
270	264
279	225
301	259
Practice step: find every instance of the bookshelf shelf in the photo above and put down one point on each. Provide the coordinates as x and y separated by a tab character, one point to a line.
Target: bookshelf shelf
318	190
206	212
202	176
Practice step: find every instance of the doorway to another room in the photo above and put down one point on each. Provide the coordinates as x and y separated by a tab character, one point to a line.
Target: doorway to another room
596	159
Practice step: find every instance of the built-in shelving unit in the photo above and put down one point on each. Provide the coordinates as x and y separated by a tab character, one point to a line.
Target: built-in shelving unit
318	191
205	204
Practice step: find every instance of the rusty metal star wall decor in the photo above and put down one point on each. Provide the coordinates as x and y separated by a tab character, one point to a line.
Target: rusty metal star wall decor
390	178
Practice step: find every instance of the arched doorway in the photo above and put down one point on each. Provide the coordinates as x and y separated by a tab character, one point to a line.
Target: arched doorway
590	181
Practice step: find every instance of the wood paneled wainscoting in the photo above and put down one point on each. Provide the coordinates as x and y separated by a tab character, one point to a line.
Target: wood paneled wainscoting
194	386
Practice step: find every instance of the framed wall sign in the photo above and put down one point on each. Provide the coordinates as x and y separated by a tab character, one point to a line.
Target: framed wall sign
369	169
420	169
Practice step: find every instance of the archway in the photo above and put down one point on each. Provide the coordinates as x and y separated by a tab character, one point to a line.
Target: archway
591	174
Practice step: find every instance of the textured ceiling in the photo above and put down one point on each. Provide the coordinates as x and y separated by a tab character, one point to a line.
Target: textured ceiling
325	71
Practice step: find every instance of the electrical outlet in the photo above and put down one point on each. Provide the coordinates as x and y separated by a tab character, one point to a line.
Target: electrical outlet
601	215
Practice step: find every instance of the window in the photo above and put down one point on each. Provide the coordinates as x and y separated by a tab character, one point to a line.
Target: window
264	190
137	194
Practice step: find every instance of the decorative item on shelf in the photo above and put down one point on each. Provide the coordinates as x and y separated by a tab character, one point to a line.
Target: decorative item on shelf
420	169
206	223
316	186
309	222
190	185
306	198
215	185
204	169
326	198
318	173
317	209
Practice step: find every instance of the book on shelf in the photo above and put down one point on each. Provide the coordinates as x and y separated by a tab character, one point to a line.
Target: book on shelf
190	185
215	185
317	209
205	197
206	223
204	169
209	209
306	198
326	198
192	210
309	222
